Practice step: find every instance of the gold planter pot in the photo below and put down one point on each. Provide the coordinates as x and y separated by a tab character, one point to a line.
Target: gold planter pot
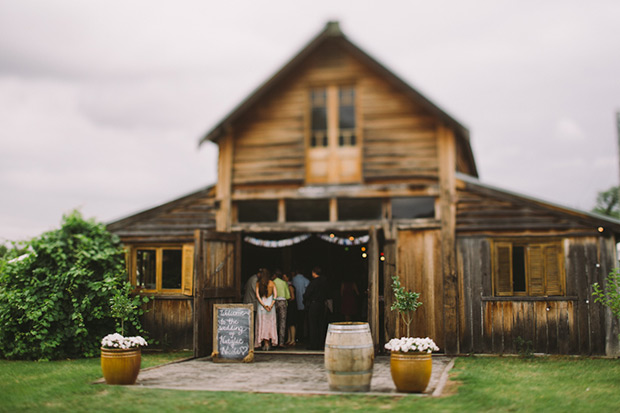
121	366
411	371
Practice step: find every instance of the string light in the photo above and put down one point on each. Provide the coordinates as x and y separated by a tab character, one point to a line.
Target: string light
364	255
363	249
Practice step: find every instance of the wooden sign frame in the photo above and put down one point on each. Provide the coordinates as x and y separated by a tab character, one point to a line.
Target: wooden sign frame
217	355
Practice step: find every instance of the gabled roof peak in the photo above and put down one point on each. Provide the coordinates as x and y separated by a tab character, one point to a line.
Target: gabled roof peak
332	28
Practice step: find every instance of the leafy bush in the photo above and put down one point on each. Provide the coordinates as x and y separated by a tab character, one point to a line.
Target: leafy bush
55	300
610	296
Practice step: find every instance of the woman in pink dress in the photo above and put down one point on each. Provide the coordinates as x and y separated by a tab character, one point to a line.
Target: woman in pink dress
266	324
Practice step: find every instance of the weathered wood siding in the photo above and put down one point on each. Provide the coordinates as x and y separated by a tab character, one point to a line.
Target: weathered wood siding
573	324
398	140
481	209
420	269
218	281
176	220
169	321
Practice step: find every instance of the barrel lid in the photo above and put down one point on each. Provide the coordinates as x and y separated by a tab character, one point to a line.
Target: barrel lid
349	326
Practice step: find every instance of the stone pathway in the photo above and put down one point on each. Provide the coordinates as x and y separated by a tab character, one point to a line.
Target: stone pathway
276	373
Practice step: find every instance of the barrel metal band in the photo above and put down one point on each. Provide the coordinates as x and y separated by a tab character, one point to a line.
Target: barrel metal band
348	347
348	331
349	373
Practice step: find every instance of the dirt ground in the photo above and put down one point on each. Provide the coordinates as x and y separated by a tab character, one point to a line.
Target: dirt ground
271	372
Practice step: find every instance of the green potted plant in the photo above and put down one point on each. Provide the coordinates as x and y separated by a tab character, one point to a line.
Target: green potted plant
411	361
121	356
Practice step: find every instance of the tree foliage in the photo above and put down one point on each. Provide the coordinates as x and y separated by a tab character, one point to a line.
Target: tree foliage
406	302
55	299
610	295
608	203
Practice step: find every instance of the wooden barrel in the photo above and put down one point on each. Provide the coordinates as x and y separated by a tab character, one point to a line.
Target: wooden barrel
349	356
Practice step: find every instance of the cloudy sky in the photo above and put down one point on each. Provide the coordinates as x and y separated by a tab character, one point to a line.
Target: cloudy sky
102	103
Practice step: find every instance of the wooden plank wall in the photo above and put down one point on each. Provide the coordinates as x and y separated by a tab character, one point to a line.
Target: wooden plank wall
420	269
217	281
399	138
482	210
169	321
570	325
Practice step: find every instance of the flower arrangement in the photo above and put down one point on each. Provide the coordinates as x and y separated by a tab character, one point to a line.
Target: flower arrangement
406	344
117	341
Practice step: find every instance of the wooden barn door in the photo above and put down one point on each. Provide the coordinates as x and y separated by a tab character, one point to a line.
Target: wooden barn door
217	281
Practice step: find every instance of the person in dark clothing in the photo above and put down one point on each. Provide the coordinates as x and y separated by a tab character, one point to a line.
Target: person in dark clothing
314	301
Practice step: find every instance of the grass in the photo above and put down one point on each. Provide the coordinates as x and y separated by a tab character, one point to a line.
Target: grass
477	384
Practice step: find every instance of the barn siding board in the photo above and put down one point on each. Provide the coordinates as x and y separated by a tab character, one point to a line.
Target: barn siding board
169	322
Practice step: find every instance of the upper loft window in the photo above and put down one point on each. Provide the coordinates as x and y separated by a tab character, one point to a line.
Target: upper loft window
318	98
413	207
359	209
346	117
307	210
334	153
257	211
522	268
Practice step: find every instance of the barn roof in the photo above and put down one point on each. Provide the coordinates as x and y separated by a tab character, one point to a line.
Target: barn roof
594	219
329	33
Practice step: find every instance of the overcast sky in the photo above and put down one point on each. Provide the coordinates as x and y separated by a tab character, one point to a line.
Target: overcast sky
102	103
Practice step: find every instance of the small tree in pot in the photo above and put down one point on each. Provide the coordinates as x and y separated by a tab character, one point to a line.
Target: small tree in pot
405	302
410	360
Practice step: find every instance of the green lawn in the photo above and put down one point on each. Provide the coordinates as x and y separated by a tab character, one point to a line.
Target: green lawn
478	384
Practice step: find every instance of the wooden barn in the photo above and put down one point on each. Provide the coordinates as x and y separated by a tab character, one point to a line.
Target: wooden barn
335	161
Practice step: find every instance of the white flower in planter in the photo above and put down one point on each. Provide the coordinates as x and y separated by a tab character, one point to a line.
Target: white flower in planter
118	341
406	344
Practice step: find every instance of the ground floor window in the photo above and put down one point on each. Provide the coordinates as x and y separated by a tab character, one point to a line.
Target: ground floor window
162	268
528	268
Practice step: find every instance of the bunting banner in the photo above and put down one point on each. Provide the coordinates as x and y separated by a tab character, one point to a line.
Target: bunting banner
345	241
280	243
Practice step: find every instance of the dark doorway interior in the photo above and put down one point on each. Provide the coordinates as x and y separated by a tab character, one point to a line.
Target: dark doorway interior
339	263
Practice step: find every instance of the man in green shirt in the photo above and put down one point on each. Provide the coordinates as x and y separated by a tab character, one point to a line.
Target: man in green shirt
281	305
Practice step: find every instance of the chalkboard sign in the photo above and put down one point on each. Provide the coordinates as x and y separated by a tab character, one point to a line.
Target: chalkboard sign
233	338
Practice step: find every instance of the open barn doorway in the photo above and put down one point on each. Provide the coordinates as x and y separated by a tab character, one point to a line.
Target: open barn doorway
343	257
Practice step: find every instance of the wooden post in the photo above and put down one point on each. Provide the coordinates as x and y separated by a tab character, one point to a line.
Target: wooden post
389	270
373	286
199	339
224	182
447	208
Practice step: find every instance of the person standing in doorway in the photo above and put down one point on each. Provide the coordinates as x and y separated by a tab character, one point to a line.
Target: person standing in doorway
281	305
349	295
314	299
249	292
300	282
266	334
291	312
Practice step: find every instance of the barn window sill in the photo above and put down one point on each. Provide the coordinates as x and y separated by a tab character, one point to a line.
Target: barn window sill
517	298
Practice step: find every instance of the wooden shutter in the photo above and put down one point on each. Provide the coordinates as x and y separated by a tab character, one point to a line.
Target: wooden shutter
130	275
553	269
503	268
535	270
188	269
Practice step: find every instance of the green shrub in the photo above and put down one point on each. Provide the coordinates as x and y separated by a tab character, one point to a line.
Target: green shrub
55	300
610	296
